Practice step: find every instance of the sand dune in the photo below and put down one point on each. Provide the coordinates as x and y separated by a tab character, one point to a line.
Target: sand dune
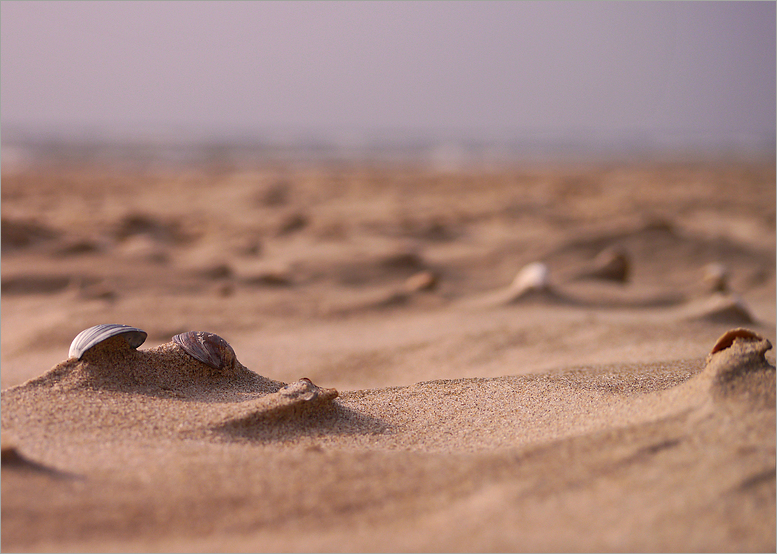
392	381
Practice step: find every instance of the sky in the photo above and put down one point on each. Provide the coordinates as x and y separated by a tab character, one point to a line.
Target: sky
462	68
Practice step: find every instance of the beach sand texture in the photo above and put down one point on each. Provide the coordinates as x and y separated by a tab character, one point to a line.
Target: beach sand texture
539	358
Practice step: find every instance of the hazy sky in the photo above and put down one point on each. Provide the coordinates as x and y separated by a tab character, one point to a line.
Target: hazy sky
476	67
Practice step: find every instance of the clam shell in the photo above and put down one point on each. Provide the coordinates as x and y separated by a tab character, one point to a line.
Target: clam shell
208	348
88	338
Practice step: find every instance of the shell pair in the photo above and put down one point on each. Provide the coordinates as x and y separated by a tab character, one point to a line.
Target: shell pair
208	348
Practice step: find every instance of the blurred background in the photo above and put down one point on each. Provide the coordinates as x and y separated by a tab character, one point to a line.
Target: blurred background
306	179
448	82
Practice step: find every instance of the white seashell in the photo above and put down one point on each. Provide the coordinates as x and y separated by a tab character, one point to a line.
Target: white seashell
88	338
716	277
534	276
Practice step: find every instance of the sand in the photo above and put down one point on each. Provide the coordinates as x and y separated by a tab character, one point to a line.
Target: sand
449	407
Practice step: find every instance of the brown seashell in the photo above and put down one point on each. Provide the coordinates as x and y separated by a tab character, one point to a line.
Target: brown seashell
612	264
728	338
424	280
208	348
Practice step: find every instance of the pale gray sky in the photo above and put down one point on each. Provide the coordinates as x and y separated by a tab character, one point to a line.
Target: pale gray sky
469	67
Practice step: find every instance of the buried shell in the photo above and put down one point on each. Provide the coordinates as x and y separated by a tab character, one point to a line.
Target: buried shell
727	339
88	338
208	348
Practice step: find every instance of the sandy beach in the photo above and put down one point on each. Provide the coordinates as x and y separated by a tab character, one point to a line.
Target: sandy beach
517	358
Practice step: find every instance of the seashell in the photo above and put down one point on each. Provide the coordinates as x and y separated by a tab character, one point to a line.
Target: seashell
208	348
424	280
611	264
727	339
88	338
534	276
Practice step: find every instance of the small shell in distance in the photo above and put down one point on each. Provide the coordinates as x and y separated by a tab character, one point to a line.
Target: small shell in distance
534	276
88	338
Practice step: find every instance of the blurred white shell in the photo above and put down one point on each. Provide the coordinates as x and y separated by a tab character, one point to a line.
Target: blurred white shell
716	277
534	276
208	348
88	338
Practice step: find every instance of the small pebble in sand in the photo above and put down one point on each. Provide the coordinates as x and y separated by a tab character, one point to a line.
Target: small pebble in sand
304	389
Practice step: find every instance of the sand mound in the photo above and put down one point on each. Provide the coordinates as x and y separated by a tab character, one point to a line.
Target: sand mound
113	380
165	371
719	307
738	369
